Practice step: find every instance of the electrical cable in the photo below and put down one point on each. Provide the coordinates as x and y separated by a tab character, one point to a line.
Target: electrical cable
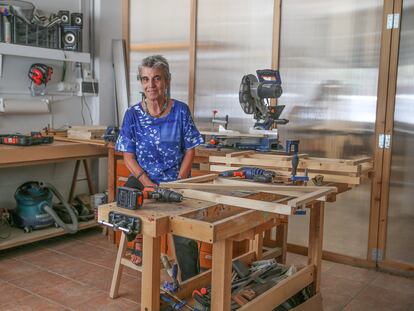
4	222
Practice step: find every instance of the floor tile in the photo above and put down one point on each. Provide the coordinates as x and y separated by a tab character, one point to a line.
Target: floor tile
396	283
10	293
69	294
352	273
377	298
102	302
12	269
38	280
32	303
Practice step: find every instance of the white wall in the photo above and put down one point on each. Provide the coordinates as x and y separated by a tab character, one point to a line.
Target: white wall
66	109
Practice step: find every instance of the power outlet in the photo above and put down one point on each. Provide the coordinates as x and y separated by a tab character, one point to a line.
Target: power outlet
87	74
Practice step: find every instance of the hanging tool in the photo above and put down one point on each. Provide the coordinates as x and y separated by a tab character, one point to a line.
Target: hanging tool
172	304
183	302
202	299
295	161
133	199
172	272
251	173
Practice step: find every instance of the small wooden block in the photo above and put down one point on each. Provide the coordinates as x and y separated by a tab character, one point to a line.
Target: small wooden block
241	301
249	294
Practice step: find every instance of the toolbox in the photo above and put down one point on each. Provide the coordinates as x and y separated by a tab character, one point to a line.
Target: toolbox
35	138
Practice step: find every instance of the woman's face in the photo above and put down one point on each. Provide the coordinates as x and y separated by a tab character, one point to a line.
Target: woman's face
154	83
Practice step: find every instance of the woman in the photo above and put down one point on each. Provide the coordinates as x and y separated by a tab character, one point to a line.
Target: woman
158	138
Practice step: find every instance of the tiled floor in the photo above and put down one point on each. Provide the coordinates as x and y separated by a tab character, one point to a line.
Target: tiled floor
74	273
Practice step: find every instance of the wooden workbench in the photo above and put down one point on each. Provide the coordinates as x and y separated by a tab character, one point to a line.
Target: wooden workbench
58	151
219	224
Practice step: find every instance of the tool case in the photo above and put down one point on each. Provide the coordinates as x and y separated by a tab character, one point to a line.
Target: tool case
35	138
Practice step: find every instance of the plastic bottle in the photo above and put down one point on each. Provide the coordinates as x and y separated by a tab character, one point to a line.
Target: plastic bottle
7	27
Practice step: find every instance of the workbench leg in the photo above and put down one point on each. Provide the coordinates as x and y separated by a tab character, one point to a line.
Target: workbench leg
74	179
111	174
256	245
150	288
315	241
88	177
281	241
116	278
221	275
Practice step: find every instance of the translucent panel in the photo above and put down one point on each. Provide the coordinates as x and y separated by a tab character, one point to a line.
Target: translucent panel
234	39
400	234
178	61
329	68
161	23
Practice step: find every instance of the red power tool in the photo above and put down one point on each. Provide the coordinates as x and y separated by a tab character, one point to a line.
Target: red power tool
132	198
252	173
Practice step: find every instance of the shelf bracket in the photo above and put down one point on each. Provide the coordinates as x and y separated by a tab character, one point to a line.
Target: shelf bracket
1	65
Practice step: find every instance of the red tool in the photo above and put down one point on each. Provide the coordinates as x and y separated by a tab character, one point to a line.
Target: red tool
132	198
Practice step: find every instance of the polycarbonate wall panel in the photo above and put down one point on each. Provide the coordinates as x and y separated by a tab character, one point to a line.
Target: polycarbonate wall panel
234	38
329	67
161	22
400	234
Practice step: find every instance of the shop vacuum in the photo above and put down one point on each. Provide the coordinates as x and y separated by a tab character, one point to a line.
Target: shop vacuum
34	208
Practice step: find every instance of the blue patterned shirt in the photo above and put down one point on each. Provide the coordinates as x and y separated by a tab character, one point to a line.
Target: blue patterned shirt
159	144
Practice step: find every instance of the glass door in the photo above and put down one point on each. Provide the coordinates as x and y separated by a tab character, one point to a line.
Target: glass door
399	250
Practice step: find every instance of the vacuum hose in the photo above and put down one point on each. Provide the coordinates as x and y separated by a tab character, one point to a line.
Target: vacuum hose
69	228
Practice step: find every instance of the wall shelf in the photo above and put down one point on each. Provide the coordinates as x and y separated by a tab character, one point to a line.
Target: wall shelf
43	53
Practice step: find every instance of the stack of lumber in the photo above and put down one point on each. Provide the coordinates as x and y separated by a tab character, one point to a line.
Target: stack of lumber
351	171
86	132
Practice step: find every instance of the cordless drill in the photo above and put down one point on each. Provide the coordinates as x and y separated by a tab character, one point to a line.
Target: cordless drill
133	199
252	173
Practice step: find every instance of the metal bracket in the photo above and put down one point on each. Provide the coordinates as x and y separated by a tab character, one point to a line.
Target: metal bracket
393	21
1	65
377	255
384	141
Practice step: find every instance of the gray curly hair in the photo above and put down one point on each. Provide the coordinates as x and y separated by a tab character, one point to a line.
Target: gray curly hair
155	61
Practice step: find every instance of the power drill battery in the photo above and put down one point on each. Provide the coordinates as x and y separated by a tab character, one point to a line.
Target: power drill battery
129	198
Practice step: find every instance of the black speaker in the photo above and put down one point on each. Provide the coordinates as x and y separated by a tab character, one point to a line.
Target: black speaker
64	16
71	38
76	19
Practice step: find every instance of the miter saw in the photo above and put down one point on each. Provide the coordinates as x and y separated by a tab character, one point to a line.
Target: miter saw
254	97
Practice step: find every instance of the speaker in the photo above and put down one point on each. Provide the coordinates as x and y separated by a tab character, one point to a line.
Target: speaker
76	19
71	38
64	16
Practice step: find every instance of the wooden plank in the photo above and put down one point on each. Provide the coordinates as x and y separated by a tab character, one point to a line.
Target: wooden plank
192	228
240	153
192	51
331	256
282	291
204	279
281	240
221	275
48	153
18	237
316	241
116	277
240	223
310	164
381	114
389	128
327	177
309	197
256	245
198	179
241	202
150	292
232	185
312	304
127	262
